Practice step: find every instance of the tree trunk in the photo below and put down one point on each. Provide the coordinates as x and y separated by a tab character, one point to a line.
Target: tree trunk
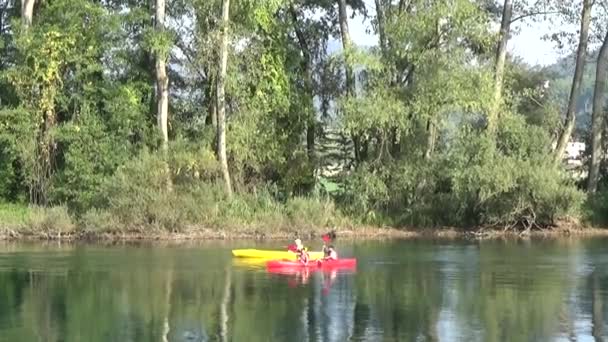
576	83
162	88
162	80
380	18
346	45
499	71
27	11
350	77
597	120
221	98
431	138
308	84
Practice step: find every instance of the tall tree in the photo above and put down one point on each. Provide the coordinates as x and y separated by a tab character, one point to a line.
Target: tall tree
350	75
581	54
501	56
597	116
307	65
27	11
221	97
162	79
346	45
380	22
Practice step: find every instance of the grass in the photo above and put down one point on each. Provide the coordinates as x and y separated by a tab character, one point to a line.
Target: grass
203	211
205	208
13	215
19	219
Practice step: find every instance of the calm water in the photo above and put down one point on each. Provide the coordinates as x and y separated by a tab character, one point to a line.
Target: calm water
401	291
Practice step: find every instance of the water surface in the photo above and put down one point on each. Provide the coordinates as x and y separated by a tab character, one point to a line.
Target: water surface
401	291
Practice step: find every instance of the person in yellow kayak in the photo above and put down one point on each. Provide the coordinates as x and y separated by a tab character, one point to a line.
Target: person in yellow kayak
299	245
296	247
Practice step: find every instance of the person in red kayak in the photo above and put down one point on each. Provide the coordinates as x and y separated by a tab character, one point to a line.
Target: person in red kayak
332	254
325	248
329	252
303	256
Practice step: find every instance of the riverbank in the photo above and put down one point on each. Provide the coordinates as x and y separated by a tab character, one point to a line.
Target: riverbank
348	233
39	224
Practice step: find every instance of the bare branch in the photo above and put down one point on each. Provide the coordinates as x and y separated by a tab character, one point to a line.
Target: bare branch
531	14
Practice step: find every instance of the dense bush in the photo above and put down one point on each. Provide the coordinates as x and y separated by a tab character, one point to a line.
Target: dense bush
35	221
136	198
470	182
596	208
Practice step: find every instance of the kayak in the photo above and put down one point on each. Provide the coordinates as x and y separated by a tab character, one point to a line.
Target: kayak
298	270
270	254
326	264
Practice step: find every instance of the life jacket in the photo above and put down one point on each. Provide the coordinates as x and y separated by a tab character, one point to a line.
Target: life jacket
304	257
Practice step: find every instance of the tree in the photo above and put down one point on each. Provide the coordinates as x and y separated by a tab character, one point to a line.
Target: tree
581	54
501	55
162	82
221	97
162	79
307	61
597	120
27	11
350	75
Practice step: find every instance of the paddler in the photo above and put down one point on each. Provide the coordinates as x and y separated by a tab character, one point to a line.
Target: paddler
304	256
299	245
296	247
326	240
332	254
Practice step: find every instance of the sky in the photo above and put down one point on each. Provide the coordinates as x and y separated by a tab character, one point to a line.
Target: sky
527	42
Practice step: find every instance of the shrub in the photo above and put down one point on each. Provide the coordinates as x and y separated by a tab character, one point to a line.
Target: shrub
596	208
13	216
365	193
311	212
470	181
97	221
50	221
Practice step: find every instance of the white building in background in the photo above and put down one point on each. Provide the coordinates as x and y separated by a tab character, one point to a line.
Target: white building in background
574	158
574	152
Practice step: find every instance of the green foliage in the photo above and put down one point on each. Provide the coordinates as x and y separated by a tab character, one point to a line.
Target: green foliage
596	208
471	183
136	198
50	221
35	221
13	215
78	109
365	192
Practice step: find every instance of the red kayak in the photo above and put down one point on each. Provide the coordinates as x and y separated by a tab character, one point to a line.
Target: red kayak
323	264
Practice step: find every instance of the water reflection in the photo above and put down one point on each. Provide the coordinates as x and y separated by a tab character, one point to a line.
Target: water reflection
401	291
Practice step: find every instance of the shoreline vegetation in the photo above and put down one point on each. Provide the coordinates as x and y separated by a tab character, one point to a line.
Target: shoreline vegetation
220	121
55	224
346	234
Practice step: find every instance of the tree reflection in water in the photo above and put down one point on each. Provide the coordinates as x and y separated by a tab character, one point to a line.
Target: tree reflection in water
401	291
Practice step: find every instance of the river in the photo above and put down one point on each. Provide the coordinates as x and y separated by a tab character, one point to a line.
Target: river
414	290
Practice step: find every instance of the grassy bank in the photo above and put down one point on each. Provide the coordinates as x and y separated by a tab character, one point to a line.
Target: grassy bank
303	218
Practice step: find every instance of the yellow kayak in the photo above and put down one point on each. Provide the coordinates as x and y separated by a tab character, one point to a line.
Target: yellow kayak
268	254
